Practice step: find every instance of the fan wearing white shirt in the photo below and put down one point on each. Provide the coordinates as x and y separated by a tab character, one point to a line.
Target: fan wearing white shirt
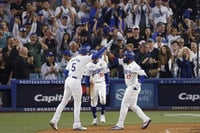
159	14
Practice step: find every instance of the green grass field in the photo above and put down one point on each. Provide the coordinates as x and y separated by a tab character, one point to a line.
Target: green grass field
30	122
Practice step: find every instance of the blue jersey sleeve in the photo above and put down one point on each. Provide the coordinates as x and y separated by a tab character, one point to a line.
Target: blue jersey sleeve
66	73
99	53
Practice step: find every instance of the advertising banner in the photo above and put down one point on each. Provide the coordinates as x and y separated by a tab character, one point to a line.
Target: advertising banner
44	96
179	96
145	100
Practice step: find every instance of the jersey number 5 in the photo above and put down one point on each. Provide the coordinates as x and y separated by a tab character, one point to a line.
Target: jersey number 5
73	68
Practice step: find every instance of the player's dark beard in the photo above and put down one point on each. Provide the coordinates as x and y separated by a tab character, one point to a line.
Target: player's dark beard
95	61
125	60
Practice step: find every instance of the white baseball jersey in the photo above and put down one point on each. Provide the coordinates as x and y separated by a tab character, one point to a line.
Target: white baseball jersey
159	15
76	65
131	72
96	71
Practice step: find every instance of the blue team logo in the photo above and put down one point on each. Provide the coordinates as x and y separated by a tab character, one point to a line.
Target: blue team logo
119	94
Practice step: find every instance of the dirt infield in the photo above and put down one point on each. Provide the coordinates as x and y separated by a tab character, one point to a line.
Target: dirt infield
153	128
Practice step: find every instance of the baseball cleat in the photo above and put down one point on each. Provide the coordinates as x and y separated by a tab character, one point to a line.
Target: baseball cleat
117	128
53	125
146	124
95	121
102	118
80	129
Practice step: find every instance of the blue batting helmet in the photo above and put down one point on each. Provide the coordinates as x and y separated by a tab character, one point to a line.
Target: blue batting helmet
129	55
84	50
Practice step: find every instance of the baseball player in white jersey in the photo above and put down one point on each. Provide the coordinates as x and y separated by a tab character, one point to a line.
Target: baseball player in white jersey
72	87
96	79
131	72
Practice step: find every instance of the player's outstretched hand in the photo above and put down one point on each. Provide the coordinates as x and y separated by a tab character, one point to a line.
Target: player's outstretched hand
109	44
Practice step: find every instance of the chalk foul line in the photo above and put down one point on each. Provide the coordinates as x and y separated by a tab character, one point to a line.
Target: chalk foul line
195	115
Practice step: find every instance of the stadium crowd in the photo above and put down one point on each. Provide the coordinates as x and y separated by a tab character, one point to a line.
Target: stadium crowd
38	37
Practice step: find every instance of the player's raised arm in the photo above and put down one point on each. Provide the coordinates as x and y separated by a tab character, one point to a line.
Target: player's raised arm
102	50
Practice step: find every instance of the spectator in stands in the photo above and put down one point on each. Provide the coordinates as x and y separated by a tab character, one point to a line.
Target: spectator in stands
159	14
5	14
127	7
48	13
181	42
50	69
5	71
147	33
142	11
185	64
195	58
74	47
129	35
23	64
83	11
165	62
68	9
66	39
174	50
95	17
98	37
113	14
65	59
173	35
85	34
16	7
119	45
40	22
34	49
3	36
5	27
65	26
141	55
50	40
23	32
159	41
28	13
136	38
150	64
170	15
116	71
10	52
129	47
160	29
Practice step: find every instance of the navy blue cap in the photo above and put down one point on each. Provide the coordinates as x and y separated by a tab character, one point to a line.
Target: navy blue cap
40	13
83	21
50	54
67	53
33	33
22	29
106	30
